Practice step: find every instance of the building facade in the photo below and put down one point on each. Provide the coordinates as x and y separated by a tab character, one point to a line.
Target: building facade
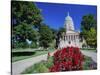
70	37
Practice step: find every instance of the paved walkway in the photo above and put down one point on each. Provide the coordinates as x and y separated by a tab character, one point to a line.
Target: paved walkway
20	66
91	54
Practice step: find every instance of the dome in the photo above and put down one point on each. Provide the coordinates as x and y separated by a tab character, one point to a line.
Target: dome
69	25
68	18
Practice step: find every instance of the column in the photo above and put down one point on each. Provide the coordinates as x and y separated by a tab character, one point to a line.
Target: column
69	37
73	37
78	37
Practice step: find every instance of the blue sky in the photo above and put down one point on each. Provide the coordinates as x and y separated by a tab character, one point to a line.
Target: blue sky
54	14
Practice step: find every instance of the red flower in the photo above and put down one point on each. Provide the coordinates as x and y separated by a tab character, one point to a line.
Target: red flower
69	58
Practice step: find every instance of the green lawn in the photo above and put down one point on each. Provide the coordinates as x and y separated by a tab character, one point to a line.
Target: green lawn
41	67
25	55
88	49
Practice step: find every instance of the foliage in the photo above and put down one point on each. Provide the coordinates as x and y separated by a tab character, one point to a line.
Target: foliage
27	25
37	68
23	32
17	44
59	35
25	19
54	31
23	11
92	39
88	22
49	62
33	45
46	36
14	54
89	30
40	67
92	49
61	31
67	59
89	63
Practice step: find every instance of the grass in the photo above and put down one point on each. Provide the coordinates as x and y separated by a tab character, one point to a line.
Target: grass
24	55
93	49
88	63
90	49
41	67
37	68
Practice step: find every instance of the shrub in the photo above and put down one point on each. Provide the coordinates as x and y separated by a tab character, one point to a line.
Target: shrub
41	68
89	63
49	62
33	45
36	68
67	59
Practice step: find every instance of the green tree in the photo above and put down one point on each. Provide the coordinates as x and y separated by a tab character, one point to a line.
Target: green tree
46	36
91	38
59	35
89	27
88	22
23	32
26	20
54	31
23	11
61	31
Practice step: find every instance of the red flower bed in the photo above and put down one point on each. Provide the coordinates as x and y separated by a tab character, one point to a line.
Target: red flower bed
67	59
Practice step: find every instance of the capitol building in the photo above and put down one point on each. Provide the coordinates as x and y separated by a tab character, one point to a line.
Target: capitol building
70	37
